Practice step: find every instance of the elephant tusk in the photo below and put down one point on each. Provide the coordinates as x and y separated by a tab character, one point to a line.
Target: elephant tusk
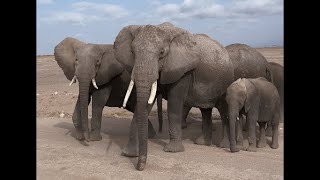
128	94
74	79
153	93
94	83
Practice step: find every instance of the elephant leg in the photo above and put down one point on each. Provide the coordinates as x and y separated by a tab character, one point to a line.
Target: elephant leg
269	129
176	98
252	121
223	110
77	120
206	137
151	132
275	131
239	127
159	108
262	140
99	100
186	110
131	149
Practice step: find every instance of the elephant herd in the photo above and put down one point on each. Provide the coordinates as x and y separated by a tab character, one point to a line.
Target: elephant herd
148	62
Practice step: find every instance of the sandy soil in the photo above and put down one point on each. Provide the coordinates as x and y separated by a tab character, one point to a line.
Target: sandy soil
60	156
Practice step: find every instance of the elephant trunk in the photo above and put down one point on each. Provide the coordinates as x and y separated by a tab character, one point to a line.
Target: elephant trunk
143	94
232	135
84	101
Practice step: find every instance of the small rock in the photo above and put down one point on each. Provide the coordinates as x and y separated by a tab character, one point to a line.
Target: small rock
55	93
38	94
61	115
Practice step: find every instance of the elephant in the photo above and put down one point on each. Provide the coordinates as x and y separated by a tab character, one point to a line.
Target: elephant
192	71
248	63
277	79
94	63
259	100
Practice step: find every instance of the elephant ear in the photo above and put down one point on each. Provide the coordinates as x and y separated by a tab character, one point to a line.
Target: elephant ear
251	94
109	67
182	57
64	54
122	46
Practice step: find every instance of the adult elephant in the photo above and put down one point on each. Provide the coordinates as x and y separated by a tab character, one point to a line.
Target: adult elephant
193	70
100	76
277	79
248	63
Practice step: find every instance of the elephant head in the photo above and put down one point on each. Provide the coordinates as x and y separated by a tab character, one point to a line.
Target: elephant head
91	64
240	94
154	53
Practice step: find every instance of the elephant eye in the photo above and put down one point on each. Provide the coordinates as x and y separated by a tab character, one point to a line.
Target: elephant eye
162	53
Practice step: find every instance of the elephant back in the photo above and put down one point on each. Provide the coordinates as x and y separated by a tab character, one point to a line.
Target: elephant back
248	62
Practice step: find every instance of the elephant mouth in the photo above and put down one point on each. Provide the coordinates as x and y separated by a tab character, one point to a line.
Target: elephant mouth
151	97
74	79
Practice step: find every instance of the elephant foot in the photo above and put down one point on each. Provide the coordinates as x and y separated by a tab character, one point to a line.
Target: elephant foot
79	135
174	146
262	144
225	143
142	161
252	148
129	152
234	149
95	136
86	136
274	145
269	131
201	141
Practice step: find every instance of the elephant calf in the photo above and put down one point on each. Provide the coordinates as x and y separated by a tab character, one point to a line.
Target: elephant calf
259	100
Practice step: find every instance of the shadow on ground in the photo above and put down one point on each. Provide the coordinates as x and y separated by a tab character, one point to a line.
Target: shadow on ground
118	130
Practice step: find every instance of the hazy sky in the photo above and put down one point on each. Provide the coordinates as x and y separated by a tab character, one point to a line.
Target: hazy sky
254	22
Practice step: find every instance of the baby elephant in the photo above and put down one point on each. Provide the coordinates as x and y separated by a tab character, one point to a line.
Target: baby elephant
259	100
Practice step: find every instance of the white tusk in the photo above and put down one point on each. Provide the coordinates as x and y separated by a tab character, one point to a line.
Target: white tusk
128	94
74	79
238	118
153	92
94	83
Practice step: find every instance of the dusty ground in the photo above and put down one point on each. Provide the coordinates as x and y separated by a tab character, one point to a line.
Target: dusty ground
60	156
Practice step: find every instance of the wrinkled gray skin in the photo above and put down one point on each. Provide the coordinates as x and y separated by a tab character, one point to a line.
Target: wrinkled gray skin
247	63
94	61
259	100
277	79
192	70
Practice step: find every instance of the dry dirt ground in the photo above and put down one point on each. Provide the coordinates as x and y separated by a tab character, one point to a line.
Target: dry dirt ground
61	156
